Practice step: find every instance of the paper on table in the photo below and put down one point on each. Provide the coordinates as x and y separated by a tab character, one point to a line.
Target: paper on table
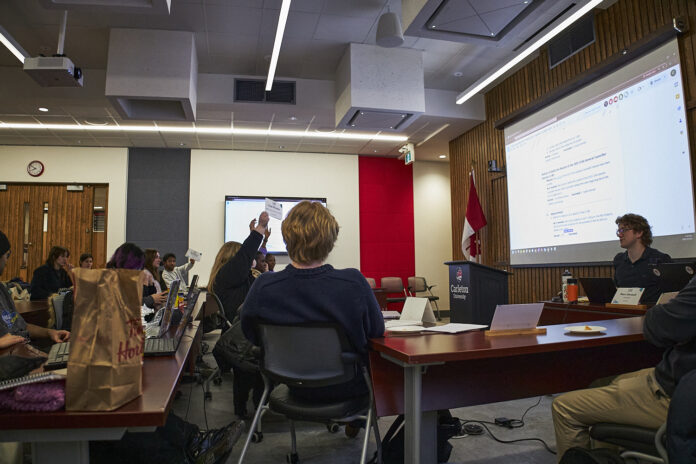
391	314
455	328
193	254
274	209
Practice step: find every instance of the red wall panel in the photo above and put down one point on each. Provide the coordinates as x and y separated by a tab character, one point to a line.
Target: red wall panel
386	219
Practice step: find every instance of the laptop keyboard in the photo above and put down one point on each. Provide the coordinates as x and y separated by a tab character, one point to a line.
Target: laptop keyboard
160	345
58	356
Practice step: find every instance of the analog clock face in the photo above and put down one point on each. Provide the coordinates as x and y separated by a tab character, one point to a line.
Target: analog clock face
35	168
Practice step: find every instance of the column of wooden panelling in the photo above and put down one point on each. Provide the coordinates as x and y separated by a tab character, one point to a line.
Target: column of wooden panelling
616	28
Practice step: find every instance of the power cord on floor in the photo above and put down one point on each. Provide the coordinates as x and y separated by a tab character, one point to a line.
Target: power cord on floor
476	427
205	415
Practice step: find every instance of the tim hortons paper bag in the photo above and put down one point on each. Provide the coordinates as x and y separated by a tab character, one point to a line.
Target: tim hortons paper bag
106	344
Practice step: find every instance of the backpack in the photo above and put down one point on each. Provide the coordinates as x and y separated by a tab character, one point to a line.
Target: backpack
393	442
577	455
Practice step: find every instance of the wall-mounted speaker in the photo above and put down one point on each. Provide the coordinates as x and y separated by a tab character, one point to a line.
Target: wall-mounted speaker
576	37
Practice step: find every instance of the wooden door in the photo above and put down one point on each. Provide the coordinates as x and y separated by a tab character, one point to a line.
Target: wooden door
36	217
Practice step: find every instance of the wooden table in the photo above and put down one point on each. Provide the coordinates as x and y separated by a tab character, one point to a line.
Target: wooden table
64	436
381	296
417	375
569	313
34	312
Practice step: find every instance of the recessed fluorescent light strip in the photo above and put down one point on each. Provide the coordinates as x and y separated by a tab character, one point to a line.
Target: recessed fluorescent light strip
12	45
207	130
486	80
282	19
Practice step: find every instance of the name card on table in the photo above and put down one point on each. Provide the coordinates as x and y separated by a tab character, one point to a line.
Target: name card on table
627	295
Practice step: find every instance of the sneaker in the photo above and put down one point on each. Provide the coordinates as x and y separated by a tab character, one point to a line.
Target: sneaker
214	446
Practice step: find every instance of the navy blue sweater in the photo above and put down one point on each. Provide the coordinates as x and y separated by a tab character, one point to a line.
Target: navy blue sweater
321	294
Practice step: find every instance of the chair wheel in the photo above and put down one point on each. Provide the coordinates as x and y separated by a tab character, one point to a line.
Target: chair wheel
333	427
257	437
208	396
292	458
217	380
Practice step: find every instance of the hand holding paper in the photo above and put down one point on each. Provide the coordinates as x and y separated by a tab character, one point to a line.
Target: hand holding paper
274	209
193	254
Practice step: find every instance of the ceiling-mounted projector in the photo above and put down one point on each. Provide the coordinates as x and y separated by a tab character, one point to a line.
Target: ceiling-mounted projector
53	71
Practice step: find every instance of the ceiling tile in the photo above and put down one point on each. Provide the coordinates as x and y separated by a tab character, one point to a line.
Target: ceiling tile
364	8
237	20
342	28
309	6
484	6
300	25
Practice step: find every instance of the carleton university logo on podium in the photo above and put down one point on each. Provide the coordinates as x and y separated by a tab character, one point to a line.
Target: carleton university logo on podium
458	292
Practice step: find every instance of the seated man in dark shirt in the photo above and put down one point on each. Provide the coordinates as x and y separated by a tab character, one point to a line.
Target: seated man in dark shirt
52	276
13	328
639	398
634	267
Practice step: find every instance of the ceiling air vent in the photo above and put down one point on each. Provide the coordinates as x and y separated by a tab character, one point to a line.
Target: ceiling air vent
252	90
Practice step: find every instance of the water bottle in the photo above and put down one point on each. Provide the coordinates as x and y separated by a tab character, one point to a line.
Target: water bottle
572	290
564	287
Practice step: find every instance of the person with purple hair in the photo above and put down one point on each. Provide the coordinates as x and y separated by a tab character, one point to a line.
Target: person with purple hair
131	256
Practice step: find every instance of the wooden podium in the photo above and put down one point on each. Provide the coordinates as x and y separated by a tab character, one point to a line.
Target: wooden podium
474	291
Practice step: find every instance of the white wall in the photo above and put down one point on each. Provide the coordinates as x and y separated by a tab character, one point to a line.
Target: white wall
432	215
216	173
76	165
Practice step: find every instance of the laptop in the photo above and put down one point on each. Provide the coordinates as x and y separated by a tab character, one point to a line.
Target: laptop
168	308
599	290
161	346
192	287
417	311
673	276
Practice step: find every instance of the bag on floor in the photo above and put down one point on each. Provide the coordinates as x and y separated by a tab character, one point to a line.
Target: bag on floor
579	455
393	442
105	367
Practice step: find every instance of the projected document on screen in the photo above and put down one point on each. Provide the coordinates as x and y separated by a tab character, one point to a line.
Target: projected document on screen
619	145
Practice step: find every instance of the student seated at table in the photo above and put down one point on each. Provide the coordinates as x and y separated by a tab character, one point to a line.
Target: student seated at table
13	328
308	290
86	261
638	398
53	275
270	261
634	267
230	279
131	256
173	272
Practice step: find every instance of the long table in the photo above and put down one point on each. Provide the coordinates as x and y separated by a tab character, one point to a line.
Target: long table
569	313
64	436
34	312
417	375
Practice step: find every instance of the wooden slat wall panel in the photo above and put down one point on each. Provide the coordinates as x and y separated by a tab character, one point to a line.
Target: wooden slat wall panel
616	28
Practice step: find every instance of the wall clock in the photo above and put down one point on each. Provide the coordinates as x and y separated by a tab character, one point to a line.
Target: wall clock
35	168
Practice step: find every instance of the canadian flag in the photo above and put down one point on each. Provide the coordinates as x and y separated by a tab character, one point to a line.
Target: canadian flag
474	220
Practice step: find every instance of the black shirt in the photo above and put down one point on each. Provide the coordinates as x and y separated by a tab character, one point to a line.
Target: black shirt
640	274
673	326
46	281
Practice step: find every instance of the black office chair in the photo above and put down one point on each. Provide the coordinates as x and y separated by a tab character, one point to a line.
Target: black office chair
417	285
638	443
311	355
216	376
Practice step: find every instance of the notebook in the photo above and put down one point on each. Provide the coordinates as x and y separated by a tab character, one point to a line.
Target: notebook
417	311
30	378
599	290
161	346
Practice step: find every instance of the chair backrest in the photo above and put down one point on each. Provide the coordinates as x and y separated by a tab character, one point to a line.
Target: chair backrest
213	300
371	281
392	284
417	284
307	355
681	423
